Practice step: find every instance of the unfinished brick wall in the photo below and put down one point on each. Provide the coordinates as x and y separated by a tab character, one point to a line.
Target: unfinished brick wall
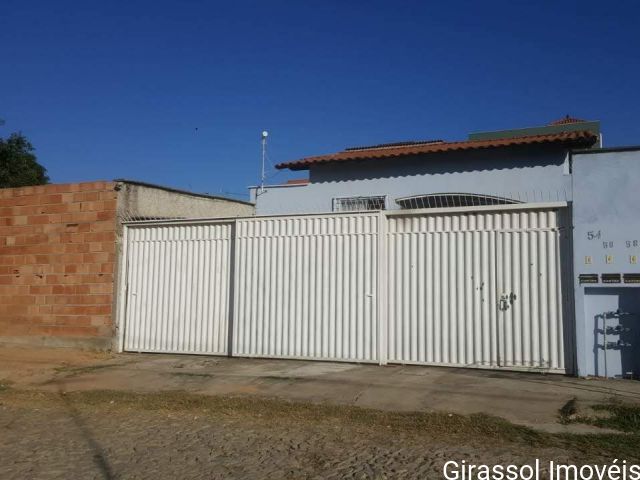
57	261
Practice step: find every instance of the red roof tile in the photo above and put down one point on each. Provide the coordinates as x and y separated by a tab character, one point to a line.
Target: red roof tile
564	139
567	120
395	144
298	181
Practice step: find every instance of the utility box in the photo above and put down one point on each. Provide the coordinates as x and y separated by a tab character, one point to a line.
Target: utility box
606	240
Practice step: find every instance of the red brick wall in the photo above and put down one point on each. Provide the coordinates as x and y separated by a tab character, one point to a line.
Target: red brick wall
57	260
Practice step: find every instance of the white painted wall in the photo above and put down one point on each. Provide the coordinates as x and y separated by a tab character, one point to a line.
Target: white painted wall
532	175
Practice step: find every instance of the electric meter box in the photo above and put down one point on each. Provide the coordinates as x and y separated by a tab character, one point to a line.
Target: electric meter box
606	250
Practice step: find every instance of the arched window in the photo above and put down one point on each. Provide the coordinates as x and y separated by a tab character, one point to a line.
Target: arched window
445	200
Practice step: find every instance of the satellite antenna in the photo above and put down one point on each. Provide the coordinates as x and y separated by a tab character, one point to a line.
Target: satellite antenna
263	176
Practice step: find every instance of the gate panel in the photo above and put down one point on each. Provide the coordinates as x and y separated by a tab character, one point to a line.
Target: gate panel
477	289
306	287
441	285
178	288
530	295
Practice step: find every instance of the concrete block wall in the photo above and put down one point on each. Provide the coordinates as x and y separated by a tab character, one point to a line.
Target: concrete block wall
57	262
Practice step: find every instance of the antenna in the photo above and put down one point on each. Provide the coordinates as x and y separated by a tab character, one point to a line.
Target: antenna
265	134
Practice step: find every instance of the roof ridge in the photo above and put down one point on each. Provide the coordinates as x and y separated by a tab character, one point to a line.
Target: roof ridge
518	137
567	120
408	143
455	142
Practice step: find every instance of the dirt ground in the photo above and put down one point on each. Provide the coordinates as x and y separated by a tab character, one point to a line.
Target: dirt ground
528	399
65	415
44	436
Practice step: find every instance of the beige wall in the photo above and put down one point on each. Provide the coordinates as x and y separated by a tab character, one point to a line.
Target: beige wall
141	201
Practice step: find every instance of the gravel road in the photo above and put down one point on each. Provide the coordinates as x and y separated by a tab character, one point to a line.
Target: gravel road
60	439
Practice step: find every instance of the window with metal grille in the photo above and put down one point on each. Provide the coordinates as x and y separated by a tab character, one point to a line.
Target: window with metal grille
358	204
444	200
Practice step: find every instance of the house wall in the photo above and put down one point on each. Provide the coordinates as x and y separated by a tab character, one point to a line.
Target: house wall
531	175
57	259
606	239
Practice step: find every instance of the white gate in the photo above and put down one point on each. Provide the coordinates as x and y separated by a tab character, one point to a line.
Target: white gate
478	287
441	307
529	287
177	285
306	287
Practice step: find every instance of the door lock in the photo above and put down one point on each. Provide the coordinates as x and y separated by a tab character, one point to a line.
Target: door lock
506	300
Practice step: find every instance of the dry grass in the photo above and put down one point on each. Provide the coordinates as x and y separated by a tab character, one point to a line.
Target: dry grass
568	411
445	427
72	371
613	415
5	384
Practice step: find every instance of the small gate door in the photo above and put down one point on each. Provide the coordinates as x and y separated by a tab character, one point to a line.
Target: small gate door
441	286
529	297
178	288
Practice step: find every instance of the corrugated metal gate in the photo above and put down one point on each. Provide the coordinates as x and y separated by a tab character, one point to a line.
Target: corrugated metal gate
477	289
177	288
306	287
462	287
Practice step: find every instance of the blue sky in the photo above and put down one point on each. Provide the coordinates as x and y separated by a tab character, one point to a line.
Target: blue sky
117	89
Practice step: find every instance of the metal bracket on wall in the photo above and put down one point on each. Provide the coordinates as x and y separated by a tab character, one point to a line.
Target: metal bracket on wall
612	330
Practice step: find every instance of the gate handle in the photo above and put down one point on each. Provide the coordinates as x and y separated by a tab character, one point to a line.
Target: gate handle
503	304
506	300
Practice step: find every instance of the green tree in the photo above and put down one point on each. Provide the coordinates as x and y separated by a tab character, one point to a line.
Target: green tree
18	164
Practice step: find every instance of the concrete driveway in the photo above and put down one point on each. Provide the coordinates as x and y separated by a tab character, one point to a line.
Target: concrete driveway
523	398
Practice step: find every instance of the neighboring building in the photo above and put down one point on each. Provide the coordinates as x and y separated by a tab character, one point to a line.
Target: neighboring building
59	246
526	165
606	246
561	162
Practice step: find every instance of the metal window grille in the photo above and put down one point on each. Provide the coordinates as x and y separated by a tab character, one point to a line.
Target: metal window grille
458	199
359	204
446	200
